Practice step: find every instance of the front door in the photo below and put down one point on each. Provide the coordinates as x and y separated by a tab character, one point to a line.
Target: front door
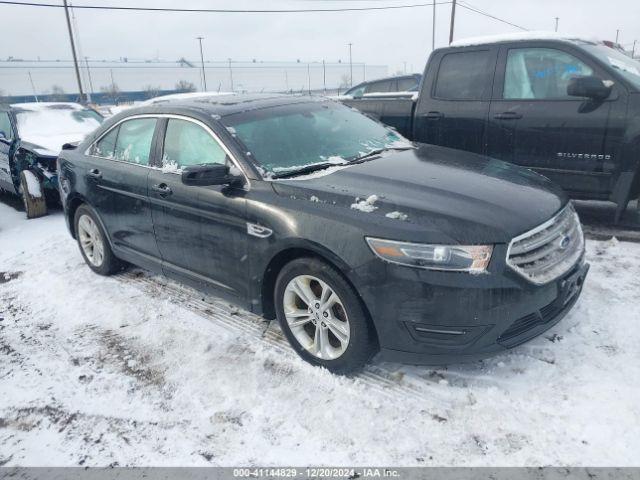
6	145
117	167
200	230
534	123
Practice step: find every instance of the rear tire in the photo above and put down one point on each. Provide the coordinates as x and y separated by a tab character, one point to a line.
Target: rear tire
35	204
322	316
93	243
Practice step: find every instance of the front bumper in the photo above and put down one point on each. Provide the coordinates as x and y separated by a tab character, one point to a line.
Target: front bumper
429	317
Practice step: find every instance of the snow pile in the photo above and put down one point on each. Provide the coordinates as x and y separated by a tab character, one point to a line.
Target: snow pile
33	184
366	205
517	36
397	215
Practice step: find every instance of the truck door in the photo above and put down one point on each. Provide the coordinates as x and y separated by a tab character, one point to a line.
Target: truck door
534	123
454	102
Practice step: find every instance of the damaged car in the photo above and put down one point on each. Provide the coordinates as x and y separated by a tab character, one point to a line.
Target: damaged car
302	209
31	136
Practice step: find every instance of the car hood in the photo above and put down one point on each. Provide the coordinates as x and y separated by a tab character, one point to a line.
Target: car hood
434	194
50	146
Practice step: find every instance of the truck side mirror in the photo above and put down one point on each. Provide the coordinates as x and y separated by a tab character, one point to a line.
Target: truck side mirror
589	87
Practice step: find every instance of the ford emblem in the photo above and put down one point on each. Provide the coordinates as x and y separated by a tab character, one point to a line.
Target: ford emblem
564	242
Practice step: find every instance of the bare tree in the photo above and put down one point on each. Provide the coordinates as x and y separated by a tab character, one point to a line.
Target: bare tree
184	86
345	80
112	91
57	94
151	92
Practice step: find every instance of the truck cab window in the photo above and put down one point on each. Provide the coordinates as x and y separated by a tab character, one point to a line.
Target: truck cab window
463	75
540	73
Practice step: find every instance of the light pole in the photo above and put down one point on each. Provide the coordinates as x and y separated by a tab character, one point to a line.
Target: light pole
86	62
557	19
204	75
350	67
617	35
73	51
231	75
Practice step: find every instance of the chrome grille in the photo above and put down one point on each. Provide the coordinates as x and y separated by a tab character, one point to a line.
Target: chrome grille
550	250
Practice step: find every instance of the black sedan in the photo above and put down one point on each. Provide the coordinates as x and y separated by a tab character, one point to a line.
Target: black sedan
306	210
31	136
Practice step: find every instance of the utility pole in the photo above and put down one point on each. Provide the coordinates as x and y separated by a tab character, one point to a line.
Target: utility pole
405	67
350	67
204	75
309	78
617	35
324	76
86	62
33	87
453	20
231	76
557	19
433	27
73	50
633	50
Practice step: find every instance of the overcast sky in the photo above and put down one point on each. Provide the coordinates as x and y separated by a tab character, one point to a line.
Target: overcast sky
388	37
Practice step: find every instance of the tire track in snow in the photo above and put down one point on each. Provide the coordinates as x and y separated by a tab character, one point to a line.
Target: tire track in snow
374	376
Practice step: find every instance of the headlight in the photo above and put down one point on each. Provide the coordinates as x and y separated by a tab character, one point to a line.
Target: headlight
460	258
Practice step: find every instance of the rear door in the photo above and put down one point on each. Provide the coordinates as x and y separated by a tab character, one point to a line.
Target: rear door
454	102
201	231
6	145
534	123
117	167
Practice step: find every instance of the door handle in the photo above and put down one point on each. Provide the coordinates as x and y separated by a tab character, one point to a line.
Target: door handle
508	116
162	189
434	115
94	173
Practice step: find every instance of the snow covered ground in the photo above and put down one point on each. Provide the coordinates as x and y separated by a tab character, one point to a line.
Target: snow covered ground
136	370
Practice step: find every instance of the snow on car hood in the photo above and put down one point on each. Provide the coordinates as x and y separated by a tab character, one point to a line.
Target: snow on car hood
51	146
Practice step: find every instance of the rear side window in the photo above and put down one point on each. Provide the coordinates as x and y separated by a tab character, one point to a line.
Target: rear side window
381	87
540	73
106	146
133	143
187	143
464	75
5	125
407	84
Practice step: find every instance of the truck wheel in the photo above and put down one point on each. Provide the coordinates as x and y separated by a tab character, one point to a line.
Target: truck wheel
93	243
35	204
322	316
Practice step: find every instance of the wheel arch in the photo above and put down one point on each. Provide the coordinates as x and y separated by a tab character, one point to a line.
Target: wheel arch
292	252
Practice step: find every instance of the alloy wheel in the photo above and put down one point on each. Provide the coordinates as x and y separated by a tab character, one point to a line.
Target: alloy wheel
91	240
317	317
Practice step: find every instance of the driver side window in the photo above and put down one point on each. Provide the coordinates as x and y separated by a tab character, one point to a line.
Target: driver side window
5	126
187	143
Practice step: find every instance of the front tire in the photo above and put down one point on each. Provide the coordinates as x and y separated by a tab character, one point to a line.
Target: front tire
322	316
93	242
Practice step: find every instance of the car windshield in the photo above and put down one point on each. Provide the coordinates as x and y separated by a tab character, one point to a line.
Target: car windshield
296	137
51	126
628	67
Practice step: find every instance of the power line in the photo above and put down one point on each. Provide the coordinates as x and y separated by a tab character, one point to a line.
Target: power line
219	10
476	10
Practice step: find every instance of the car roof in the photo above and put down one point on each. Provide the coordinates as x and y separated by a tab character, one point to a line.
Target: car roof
520	37
223	105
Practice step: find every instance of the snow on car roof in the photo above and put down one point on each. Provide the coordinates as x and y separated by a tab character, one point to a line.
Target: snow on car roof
43	106
184	96
519	36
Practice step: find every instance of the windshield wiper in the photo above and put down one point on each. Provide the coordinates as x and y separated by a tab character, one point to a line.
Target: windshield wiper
378	151
303	170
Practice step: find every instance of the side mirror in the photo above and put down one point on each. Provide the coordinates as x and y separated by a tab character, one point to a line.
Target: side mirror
203	175
589	87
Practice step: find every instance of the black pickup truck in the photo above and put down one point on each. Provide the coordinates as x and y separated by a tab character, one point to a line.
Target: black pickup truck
565	107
